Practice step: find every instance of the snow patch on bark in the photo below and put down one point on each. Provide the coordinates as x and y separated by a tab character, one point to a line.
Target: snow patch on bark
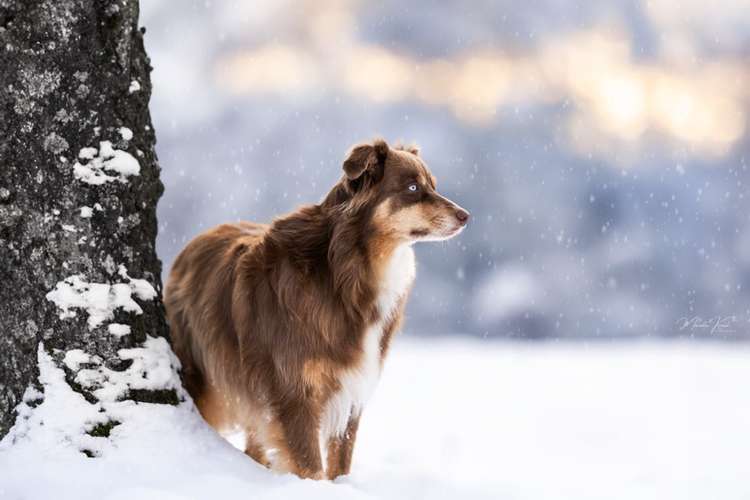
106	158
99	300
76	357
142	288
88	212
125	133
118	329
153	367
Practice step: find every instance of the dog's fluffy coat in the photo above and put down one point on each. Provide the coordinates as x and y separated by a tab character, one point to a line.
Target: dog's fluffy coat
282	329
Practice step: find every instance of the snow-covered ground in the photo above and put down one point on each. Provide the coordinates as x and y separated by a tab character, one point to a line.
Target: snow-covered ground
460	420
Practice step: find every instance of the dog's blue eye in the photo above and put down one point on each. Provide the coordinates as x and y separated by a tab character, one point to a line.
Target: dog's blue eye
413	188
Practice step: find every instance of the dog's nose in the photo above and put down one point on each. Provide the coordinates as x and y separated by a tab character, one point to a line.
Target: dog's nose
462	216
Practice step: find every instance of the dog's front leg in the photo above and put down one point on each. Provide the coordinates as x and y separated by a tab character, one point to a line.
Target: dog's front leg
340	449
299	421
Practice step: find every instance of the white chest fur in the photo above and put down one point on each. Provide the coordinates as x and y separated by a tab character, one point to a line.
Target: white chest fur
358	382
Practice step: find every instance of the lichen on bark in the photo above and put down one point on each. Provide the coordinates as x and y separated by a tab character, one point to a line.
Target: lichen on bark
65	84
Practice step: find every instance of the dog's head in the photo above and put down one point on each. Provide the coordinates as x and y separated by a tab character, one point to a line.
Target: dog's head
399	193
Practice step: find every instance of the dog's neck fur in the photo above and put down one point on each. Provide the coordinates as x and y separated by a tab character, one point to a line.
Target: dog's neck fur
335	243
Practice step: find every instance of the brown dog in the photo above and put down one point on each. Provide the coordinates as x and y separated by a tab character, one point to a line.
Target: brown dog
282	329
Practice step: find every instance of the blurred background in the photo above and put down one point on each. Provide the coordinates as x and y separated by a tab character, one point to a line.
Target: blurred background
602	147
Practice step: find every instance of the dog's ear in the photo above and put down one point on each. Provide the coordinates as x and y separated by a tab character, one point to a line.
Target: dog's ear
366	157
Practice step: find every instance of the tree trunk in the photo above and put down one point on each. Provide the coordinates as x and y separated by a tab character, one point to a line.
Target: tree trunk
79	183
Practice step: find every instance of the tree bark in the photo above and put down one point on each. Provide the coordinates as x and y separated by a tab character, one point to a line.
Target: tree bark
78	194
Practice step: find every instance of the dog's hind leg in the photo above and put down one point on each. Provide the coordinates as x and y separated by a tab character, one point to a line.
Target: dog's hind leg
255	449
210	402
299	443
214	408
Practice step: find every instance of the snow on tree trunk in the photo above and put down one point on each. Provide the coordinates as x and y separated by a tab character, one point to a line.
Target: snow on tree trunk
79	183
